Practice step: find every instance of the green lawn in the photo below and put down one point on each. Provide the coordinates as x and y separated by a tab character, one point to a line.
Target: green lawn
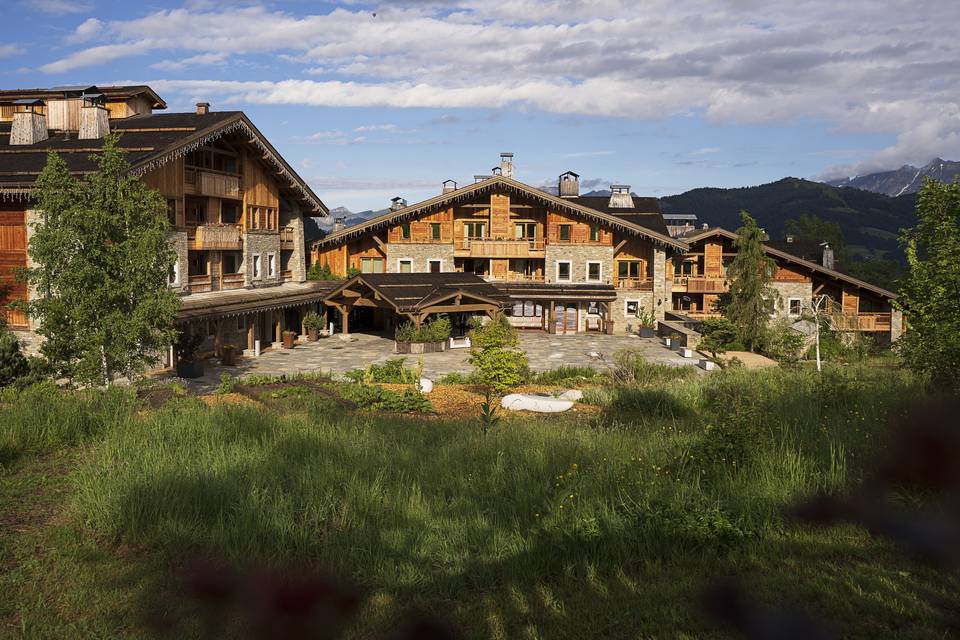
603	524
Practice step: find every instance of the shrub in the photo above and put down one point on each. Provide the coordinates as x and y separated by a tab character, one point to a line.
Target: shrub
719	336
314	320
436	330
13	365
566	375
458	378
227	383
322	272
500	364
631	367
376	398
390	372
783	343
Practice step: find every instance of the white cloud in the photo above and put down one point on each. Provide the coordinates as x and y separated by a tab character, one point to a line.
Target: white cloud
9	50
588	154
202	59
87	30
704	151
58	7
856	65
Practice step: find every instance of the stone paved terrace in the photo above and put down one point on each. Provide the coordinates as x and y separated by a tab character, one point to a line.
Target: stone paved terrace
336	355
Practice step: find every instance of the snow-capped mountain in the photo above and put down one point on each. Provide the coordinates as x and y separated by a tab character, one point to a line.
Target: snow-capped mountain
906	179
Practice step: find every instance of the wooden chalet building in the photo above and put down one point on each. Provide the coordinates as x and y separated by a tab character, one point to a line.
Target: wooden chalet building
235	205
804	270
569	263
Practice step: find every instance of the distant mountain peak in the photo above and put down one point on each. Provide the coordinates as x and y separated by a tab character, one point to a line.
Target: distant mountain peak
907	179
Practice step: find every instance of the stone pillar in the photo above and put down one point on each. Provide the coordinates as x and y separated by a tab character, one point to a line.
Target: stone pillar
661	299
896	325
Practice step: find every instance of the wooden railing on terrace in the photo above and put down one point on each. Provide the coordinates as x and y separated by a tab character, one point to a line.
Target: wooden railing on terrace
288	235
879	321
207	182
700	284
491	248
200	284
217	236
287	275
636	284
231	281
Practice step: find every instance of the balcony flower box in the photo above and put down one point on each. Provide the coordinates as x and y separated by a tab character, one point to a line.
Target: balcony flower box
416	348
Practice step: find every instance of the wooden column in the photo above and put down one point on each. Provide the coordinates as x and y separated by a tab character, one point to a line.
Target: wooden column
344	319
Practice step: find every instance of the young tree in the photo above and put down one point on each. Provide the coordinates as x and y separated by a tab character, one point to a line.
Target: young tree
101	266
493	351
930	293
751	298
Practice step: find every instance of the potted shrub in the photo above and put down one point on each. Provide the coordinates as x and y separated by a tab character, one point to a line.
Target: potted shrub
647	322
314	323
427	338
188	364
289	339
228	355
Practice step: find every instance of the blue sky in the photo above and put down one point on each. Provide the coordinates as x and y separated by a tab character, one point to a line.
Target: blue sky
372	100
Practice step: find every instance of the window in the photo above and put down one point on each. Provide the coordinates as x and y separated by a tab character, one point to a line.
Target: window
271	265
229	212
174	275
231	262
405	266
565	232
196	211
628	269
525	230
527	309
405	231
594	271
197	262
474	229
436	266
563	271
594	233
795	306
632	308
371	265
434	230
256	266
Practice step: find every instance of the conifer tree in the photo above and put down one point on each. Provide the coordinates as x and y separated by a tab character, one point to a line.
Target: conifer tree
930	293
101	262
751	299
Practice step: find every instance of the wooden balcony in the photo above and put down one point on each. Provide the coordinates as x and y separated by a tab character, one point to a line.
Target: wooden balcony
700	284
207	182
490	248
287	275
200	284
217	237
231	281
288	238
523	277
635	284
880	321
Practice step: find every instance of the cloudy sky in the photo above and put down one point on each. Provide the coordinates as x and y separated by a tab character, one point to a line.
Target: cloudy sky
371	100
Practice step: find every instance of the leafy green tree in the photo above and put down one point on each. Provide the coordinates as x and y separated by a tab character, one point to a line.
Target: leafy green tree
493	351
930	293
102	262
719	334
751	298
13	364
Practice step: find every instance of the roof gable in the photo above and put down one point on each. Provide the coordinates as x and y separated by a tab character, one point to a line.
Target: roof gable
493	184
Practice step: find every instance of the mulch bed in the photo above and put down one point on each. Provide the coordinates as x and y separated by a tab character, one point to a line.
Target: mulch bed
463	400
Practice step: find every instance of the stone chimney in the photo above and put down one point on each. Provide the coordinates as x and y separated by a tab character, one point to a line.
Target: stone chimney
398	203
506	164
496	171
827	260
339	224
203	108
94	117
479	178
620	197
449	185
29	125
568	185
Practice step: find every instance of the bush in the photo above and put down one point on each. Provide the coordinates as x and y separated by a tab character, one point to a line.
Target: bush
631	367
314	320
390	372
783	343
436	330
13	365
376	398
324	272
566	375
719	336
500	364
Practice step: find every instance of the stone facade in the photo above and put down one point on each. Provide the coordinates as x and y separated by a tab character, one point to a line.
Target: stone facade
623	323
787	290
179	243
578	255
896	325
263	244
661	293
420	255
298	261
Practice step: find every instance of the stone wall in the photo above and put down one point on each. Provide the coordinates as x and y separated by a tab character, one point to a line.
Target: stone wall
292	216
420	255
622	323
180	244
261	243
896	325
578	255
787	290
661	294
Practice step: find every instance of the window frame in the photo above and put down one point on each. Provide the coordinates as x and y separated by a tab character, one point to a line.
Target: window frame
257	266
790	302
173	277
431	262
400	263
599	277
569	277
626	307
271	265
406	231
564	227
594	233
436	231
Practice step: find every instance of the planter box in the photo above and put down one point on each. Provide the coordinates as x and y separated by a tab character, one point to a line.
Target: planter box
289	339
460	343
648	332
416	348
190	368
313	335
685	352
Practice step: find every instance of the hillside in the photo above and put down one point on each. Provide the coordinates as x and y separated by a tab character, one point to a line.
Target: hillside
869	221
906	179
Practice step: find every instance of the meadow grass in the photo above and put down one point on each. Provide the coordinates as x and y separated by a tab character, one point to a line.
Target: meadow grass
601	527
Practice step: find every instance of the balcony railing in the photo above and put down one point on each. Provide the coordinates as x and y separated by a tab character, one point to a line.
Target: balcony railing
636	284
217	236
524	277
287	275
207	182
699	284
200	284
880	321
232	281
288	235
491	248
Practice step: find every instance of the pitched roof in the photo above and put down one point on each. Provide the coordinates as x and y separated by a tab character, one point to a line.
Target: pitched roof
240	301
645	212
149	141
567	205
412	292
111	93
557	291
702	234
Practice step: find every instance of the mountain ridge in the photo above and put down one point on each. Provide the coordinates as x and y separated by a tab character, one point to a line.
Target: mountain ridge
906	180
